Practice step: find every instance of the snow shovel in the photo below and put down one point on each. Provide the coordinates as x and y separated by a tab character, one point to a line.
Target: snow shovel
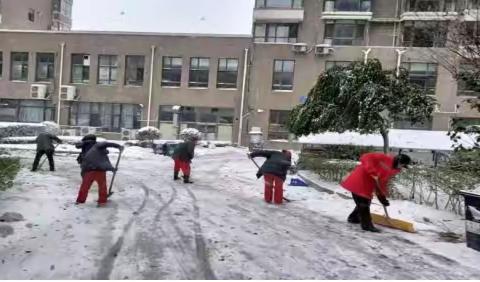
285	199
387	221
110	193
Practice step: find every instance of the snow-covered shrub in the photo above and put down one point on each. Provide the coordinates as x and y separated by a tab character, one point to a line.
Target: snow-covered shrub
190	134
148	133
51	127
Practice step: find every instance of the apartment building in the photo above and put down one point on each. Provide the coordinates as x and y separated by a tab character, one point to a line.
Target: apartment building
36	14
116	80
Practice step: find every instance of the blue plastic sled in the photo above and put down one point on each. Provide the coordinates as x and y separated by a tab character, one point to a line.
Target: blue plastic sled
297	182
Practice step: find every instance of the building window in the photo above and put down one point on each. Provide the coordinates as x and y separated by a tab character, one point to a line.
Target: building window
80	68
45	66
277	127
406	124
281	33
199	69
331	64
135	69
347	5
172	71
227	73
286	4
19	66
430	6
424	34
109	117
345	32
283	72
464	88
423	75
31	15
1	64
26	110
107	69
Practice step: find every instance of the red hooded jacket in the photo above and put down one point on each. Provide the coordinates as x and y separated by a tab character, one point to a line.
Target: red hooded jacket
360	181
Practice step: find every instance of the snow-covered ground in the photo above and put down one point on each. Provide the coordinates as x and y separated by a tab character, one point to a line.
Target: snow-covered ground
217	228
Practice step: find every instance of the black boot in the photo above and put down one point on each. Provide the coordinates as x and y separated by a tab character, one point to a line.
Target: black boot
175	175
372	228
186	179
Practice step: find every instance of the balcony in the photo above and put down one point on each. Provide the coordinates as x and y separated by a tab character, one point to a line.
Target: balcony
426	10
347	9
280	11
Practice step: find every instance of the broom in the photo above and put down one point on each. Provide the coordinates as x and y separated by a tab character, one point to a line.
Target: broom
387	221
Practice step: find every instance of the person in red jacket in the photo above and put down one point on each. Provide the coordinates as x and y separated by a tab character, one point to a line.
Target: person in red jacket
372	176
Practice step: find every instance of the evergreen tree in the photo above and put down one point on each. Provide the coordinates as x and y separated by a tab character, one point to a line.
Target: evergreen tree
363	98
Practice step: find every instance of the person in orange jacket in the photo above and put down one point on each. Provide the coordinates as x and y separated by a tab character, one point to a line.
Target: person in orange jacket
372	175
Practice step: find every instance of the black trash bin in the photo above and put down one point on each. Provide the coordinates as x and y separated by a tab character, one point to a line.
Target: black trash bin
472	216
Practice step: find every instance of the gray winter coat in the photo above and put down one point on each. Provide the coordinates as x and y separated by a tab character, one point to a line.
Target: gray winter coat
45	142
96	159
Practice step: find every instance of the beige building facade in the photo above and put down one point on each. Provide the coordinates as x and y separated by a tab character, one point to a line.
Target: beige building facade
117	82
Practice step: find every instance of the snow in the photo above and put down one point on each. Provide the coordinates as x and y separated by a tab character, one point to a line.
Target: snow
18	124
403	139
217	228
31	139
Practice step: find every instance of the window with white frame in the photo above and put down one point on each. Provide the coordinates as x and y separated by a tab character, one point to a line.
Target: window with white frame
347	5
424	33
467	82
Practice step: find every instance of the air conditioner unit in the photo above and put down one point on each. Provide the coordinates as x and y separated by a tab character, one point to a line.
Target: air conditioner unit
86	60
129	134
300	48
69	132
323	50
68	93
38	91
85	130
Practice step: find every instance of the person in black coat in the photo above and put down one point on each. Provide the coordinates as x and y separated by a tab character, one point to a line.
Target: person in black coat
45	147
86	144
274	172
95	164
182	156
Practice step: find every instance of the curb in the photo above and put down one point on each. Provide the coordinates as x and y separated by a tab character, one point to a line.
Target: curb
321	188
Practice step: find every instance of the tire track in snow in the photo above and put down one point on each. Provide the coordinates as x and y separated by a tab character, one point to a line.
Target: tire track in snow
107	263
201	249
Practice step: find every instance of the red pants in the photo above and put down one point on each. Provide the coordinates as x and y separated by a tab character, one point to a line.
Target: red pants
182	165
273	187
89	177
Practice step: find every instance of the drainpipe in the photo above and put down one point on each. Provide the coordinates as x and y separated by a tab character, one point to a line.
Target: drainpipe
365	57
150	88
399	60
62	46
244	83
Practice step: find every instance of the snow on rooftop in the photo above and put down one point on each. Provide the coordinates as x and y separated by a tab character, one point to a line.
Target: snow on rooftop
399	138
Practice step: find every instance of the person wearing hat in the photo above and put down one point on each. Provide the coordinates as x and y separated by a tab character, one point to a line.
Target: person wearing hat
371	176
274	171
